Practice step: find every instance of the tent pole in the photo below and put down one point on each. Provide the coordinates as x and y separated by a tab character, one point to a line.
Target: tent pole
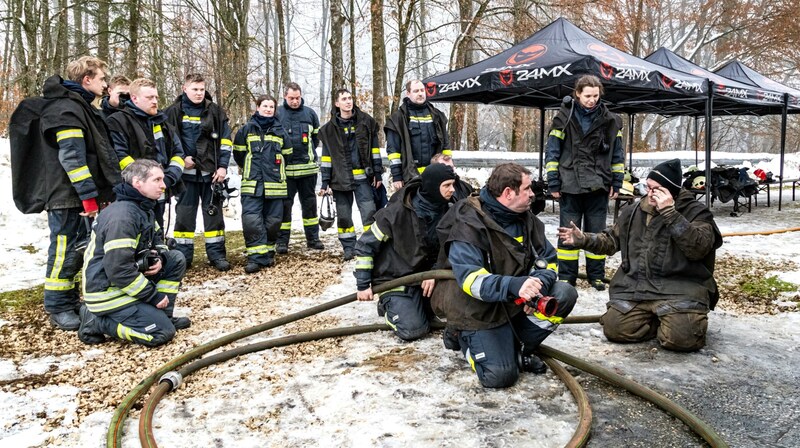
696	141
784	112
709	116
630	142
541	141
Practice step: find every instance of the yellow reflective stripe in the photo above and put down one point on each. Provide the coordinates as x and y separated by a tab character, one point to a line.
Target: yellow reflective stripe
568	254
447	152
68	133
79	174
157	131
420	169
376	150
421	118
470	360
125	162
592	256
58	284
551	166
552	266
168	286
127	333
274	138
393	155
61	251
325	158
359	171
253	138
555	320
260	249
365	263
310	222
177	234
347	230
519	238
122	243
377	232
619	133
177	161
389	323
187	118
136	286
211	233
557	134
366	227
240	147
286	226
470	280
225	142
617	167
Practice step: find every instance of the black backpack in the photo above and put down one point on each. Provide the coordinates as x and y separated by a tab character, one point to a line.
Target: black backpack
28	174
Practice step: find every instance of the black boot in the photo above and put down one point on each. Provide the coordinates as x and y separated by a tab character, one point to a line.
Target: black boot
89	331
181	323
66	320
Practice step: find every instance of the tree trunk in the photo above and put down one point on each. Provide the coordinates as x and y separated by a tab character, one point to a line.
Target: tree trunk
323	51
77	16
132	52
102	31
265	12
352	47
403	25
337	62
284	56
378	64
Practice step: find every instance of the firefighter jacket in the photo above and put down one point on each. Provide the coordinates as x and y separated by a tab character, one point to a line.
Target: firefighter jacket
667	255
137	135
122	233
582	162
398	243
78	159
350	150
492	251
414	133
205	134
260	149
301	127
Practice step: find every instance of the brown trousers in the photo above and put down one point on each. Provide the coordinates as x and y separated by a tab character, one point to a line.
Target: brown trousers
677	328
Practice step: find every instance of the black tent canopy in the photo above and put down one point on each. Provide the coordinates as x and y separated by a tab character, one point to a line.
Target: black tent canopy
539	71
730	96
739	72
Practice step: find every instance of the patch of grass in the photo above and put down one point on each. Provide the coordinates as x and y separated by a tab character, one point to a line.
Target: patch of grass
29	249
21	299
767	287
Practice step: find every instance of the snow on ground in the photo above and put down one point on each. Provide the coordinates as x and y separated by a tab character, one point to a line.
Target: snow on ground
744	383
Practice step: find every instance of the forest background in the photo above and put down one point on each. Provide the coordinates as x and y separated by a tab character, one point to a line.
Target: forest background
250	47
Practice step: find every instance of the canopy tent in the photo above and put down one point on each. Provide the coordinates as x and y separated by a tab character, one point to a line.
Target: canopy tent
542	69
730	97
739	72
791	101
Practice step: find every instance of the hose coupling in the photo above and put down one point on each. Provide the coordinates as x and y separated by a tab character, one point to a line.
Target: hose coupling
173	378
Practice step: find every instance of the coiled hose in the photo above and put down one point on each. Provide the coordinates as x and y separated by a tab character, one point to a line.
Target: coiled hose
169	382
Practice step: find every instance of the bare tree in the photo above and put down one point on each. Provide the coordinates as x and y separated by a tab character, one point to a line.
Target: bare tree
379	111
337	56
284	55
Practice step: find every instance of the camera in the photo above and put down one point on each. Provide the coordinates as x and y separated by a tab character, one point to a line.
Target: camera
146	259
546	305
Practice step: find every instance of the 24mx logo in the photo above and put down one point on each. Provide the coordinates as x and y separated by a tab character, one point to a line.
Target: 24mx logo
632	74
539	73
458	85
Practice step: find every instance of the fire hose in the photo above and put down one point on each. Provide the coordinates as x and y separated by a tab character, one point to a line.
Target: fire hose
170	379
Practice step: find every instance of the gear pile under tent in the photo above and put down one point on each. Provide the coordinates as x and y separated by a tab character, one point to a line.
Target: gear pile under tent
540	71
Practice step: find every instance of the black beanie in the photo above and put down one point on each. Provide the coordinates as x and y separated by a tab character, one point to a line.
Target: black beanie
669	175
432	178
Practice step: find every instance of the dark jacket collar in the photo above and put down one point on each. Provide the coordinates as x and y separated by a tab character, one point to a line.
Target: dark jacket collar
126	192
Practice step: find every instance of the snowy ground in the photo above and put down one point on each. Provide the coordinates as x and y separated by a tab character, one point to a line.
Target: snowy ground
373	390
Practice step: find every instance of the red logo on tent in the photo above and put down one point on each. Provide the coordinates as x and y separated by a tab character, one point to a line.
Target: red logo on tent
527	54
430	89
698	72
606	71
667	81
506	77
606	53
721	87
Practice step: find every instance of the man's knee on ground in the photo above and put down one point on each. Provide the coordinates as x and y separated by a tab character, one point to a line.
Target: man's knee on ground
175	262
160	338
497	377
411	331
566	295
684	332
619	327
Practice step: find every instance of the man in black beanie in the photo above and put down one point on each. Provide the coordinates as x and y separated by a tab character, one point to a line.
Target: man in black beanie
665	285
403	241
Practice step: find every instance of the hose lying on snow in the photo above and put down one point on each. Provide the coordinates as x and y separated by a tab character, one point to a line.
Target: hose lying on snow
171	379
762	232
